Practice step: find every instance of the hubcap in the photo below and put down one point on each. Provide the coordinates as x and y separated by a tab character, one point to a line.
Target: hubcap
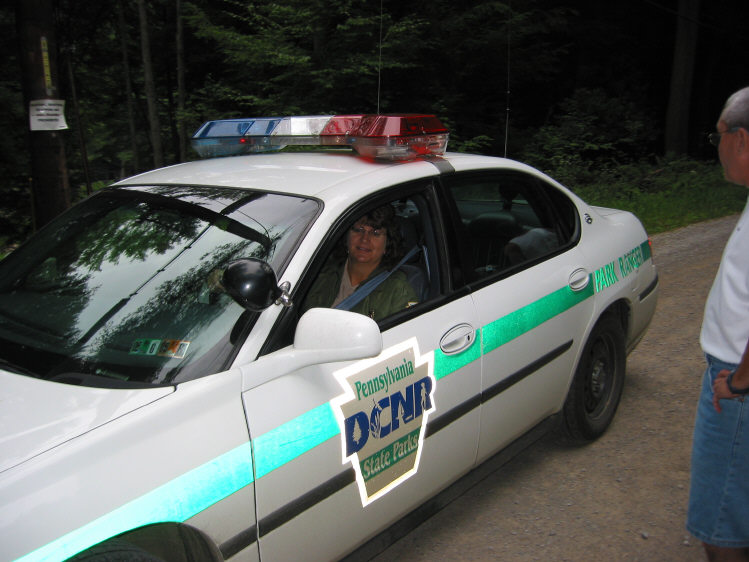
599	377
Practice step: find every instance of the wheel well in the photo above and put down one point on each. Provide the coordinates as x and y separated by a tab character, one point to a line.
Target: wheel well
172	542
621	311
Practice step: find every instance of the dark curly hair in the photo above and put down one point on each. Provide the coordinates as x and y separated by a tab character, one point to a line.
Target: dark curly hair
384	218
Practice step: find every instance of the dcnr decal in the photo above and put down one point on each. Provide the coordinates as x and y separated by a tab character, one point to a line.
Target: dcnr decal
382	415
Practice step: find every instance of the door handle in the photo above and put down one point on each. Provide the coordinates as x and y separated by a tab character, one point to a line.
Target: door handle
458	338
579	279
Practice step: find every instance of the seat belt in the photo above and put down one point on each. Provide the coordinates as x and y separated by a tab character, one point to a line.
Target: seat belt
361	293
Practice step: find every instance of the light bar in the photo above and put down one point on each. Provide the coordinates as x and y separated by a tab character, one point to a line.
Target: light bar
391	137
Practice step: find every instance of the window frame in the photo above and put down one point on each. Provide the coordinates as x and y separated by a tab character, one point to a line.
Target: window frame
431	223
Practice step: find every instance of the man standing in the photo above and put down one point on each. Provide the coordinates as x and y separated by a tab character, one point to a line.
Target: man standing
719	491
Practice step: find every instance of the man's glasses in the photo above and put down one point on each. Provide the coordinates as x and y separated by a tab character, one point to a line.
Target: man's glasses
373	232
714	138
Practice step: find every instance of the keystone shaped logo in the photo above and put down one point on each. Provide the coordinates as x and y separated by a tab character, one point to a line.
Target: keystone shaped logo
382	415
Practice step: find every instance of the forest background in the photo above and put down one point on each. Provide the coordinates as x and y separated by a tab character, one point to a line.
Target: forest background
612	98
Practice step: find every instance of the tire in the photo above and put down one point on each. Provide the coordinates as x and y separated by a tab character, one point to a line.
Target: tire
115	550
598	382
166	542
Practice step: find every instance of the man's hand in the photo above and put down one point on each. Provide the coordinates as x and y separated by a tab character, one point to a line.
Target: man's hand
720	389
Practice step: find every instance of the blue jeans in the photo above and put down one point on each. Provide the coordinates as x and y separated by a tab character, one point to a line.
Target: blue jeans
719	489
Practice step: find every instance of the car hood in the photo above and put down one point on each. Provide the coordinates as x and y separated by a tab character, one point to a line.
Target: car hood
37	415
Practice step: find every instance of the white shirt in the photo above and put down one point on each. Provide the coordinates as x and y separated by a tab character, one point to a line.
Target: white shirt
725	326
345	289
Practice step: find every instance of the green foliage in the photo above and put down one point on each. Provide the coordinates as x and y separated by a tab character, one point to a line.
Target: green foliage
592	132
292	57
546	78
480	144
667	195
600	146
15	203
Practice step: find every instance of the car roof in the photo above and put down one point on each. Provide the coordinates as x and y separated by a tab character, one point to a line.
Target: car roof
324	175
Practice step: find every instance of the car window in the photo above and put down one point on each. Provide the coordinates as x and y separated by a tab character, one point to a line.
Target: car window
508	220
125	289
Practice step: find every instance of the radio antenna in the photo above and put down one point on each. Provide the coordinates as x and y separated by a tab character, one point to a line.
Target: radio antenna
507	109
379	63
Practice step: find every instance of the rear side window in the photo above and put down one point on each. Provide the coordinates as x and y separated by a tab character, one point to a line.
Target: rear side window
509	221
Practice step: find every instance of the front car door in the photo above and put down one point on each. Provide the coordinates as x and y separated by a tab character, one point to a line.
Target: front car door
344	449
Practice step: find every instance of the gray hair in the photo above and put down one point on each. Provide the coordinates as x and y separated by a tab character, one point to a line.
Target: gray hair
736	111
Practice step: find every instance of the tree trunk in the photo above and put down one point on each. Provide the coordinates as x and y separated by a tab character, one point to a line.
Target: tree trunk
122	29
677	112
153	113
49	172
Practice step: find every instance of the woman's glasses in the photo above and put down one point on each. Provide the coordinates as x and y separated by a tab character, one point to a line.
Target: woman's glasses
363	230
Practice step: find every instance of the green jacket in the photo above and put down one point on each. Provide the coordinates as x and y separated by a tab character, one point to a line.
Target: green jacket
390	296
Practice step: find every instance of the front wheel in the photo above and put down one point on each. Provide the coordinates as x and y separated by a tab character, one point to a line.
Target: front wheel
597	386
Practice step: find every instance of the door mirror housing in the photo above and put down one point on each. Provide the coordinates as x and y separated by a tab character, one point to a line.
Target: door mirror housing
337	335
323	335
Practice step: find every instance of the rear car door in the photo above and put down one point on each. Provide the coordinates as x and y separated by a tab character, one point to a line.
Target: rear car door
531	287
344	449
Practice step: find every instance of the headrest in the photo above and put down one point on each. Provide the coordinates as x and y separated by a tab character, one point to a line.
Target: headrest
409	233
488	225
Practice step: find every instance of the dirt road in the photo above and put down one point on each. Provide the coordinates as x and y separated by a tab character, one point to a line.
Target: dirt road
623	497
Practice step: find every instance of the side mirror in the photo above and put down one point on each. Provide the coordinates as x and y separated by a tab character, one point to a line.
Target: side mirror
252	283
323	335
337	335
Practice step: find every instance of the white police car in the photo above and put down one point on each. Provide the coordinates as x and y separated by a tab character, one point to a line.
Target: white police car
164	392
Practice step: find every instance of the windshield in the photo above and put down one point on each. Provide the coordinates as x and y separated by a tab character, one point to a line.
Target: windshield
124	289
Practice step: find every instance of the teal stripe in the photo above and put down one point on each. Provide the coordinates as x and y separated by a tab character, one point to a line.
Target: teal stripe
177	500
294	438
524	320
646	250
